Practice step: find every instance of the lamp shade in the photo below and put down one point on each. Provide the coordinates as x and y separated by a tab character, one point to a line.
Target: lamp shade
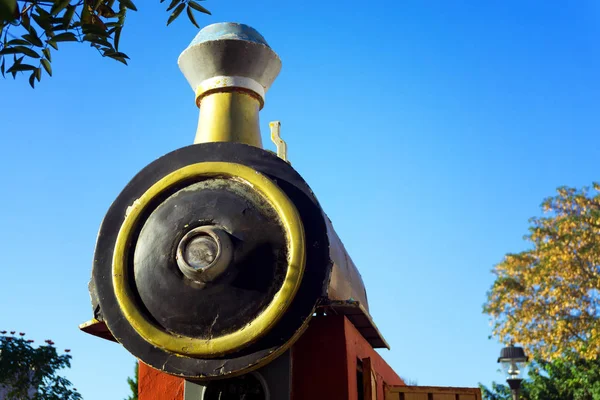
513	360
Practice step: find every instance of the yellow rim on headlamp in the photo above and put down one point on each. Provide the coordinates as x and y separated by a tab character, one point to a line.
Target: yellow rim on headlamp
190	346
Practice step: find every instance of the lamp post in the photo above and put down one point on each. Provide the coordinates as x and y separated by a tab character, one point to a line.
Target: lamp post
513	360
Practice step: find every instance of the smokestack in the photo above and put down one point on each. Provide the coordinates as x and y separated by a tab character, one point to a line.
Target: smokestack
230	67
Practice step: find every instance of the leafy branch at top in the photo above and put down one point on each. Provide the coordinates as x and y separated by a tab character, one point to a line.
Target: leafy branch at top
31	30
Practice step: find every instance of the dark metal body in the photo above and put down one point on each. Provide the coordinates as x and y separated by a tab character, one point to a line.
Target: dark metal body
329	274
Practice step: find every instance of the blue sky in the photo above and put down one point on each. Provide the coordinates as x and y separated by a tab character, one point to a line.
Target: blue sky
430	132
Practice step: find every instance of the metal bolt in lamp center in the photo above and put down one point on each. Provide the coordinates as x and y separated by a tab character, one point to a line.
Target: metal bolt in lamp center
204	253
200	252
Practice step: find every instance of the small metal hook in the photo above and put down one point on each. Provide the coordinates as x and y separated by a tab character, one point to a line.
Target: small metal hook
279	142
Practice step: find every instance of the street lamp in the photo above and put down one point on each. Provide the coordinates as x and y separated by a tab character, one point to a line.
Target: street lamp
513	360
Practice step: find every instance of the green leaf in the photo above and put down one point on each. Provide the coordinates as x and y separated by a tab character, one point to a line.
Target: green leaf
7	10
38	74
43	21
173	4
121	15
28	52
198	7
32	31
191	16
56	20
94	29
33	40
18	41
21	67
25	20
9	50
43	13
58	6
46	52
120	59
176	13
65	37
128	4
112	53
86	13
117	37
62	37
47	67
97	4
20	49
16	61
32	79
68	16
52	43
96	39
106	12
2	68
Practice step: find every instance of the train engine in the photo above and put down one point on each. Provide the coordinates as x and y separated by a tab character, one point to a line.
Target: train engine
214	258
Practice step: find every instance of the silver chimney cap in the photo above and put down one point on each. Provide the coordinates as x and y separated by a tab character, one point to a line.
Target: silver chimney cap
229	55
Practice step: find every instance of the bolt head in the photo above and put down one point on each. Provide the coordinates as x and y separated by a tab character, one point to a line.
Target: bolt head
200	252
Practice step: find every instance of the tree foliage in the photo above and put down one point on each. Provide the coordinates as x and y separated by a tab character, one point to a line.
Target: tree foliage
30	373
562	379
133	383
546	298
32	30
499	392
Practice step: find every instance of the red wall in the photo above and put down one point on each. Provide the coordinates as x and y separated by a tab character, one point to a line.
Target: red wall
156	385
358	348
324	362
319	361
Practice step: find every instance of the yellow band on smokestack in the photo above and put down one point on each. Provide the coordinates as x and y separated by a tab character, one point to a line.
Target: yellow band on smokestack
230	67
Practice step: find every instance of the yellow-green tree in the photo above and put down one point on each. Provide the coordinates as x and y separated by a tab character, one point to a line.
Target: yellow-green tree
547	298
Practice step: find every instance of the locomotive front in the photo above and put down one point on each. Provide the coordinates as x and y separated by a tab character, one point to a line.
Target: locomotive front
212	260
